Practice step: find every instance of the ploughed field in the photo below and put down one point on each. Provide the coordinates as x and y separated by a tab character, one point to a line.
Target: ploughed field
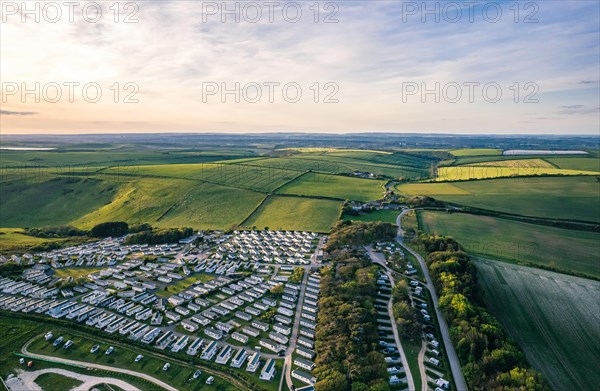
553	317
564	249
568	198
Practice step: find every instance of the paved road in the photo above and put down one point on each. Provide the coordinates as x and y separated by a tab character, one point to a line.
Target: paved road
459	379
422	366
288	353
97	366
380	260
88	382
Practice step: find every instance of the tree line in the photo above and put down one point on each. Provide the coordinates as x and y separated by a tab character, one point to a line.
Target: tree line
346	334
490	360
359	233
171	235
138	234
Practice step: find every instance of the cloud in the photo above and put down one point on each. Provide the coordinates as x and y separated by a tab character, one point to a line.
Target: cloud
170	52
579	110
6	112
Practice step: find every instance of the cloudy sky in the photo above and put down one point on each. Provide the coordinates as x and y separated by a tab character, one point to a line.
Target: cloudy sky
345	66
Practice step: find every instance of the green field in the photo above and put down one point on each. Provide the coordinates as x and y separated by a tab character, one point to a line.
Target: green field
211	206
13	239
112	155
52	202
389	165
576	163
90	183
107	387
334	186
14	335
569	250
176	203
573	198
76	272
388	216
246	175
53	381
182	285
296	213
475	152
553	317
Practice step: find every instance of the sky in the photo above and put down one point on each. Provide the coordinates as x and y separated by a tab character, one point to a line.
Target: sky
305	66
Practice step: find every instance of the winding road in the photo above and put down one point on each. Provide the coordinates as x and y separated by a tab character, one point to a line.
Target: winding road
26	380
459	379
60	360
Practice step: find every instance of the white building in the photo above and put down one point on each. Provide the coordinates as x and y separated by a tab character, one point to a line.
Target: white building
239	358
268	371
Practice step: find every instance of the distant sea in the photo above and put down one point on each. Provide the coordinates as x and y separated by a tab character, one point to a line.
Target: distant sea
26	149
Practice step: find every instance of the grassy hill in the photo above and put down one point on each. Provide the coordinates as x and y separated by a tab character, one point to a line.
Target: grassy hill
14	240
59	200
202	189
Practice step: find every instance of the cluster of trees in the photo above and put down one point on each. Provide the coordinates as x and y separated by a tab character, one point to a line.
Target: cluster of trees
140	228
46	246
108	229
58	231
359	233
423	202
102	230
407	317
171	235
346	335
9	269
296	276
490	361
349	211
141	233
